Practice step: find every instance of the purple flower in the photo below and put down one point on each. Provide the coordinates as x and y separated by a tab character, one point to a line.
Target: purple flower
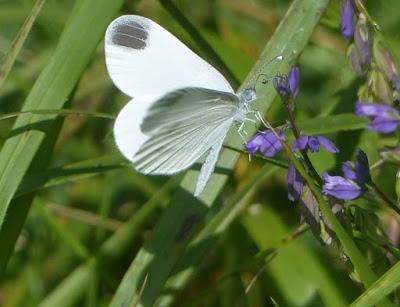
265	142
347	19
281	85
353	184
293	80
295	184
313	142
385	118
340	187
288	86
360	51
396	84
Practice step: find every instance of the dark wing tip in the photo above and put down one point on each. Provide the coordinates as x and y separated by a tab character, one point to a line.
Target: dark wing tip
130	33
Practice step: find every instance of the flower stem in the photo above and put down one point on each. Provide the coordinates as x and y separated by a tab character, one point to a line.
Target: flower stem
296	133
378	192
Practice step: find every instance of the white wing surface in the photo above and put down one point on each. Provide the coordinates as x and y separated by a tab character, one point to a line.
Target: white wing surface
176	130
146	61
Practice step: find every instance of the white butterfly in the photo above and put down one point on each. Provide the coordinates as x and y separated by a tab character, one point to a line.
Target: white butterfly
182	107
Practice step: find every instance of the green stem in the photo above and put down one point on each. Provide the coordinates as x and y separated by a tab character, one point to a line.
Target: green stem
296	133
378	192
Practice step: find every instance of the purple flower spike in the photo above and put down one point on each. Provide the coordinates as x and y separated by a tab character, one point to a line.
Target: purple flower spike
385	118
293	79
313	143
347	19
340	187
295	184
265	142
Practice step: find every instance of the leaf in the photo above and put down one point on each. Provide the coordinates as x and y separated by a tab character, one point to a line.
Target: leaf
8	61
386	284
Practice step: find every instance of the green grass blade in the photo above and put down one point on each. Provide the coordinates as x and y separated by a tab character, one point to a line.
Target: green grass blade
8	61
52	89
333	123
386	284
65	235
73	288
72	172
156	259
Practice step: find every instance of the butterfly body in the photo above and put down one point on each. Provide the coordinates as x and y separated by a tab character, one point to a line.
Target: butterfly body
181	109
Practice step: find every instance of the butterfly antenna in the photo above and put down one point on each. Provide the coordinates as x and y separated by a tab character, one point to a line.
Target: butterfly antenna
259	74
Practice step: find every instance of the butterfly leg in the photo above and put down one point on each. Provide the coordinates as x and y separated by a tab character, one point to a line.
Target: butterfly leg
241	131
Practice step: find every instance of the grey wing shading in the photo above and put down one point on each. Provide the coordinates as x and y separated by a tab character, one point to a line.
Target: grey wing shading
182	126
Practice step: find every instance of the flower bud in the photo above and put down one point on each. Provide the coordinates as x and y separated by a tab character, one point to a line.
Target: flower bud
360	52
380	86
385	63
347	19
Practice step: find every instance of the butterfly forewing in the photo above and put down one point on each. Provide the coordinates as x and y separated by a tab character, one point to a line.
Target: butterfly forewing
182	126
145	60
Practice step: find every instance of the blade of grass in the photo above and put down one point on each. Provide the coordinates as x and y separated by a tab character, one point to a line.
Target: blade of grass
172	233
385	285
73	287
199	247
51	90
9	59
66	236
63	112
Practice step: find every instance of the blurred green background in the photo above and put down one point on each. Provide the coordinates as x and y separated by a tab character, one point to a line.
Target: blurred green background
90	192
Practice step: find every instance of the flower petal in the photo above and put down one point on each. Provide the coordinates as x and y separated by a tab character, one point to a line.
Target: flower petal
340	187
373	109
295	184
300	143
348	171
362	168
327	144
384	124
293	80
313	144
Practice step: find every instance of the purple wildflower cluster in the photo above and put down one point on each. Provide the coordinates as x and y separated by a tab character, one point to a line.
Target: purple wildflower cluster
382	78
269	143
356	176
385	118
353	182
354	27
